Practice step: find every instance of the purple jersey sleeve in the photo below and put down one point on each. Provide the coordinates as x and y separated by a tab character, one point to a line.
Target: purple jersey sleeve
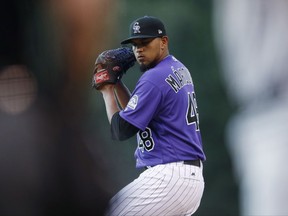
163	106
144	104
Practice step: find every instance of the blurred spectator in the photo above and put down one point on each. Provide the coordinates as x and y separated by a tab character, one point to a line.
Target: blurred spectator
252	41
45	165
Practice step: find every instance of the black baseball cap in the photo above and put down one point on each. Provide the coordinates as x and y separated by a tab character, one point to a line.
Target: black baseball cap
145	27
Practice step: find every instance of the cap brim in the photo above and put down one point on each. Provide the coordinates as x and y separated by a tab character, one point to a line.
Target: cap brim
128	40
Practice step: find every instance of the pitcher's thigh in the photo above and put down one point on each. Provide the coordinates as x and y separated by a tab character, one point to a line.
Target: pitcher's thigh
157	193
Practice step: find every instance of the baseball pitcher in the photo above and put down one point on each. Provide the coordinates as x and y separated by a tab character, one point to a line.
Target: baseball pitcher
162	111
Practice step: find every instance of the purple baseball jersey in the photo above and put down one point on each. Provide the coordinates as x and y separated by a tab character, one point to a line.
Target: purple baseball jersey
163	106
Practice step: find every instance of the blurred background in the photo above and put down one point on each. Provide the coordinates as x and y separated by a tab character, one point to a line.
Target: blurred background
56	154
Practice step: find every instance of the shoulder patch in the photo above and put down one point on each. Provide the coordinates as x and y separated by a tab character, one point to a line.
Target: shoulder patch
133	102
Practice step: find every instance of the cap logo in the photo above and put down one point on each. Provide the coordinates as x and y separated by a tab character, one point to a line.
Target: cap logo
136	28
159	31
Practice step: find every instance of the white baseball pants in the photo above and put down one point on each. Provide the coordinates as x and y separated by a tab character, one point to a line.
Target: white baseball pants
168	189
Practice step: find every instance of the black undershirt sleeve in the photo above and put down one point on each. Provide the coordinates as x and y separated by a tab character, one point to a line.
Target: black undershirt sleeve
121	129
